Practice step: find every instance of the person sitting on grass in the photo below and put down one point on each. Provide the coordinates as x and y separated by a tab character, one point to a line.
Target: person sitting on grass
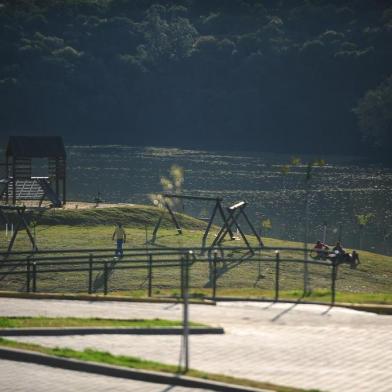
338	249
120	236
343	256
354	259
339	252
321	249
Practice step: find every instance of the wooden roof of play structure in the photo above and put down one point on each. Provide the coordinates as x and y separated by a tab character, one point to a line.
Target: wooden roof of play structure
21	192
35	147
19	184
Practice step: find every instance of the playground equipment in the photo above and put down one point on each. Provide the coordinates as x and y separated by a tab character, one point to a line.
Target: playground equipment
21	192
217	210
230	221
234	213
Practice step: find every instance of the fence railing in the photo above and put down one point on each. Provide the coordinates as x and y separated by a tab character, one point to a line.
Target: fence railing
29	268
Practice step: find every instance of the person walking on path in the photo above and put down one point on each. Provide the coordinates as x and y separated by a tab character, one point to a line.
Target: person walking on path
120	236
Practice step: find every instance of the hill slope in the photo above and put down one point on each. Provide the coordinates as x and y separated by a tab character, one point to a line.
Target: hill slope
133	216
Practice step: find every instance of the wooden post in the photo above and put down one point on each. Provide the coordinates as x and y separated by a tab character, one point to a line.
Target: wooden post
34	277
105	278
333	281
215	274
156	228
57	172
90	274
28	274
64	163
277	273
173	217
13	181
150	275
207	230
7	175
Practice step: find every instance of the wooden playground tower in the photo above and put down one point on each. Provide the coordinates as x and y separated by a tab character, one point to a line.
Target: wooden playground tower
21	192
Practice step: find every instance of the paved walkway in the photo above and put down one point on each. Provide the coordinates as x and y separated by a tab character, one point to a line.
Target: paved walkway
22	377
305	346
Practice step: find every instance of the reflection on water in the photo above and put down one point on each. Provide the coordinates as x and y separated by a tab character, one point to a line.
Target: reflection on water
339	191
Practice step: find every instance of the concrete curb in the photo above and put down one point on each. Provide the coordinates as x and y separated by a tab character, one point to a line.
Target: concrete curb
95	297
117	371
372	308
379	309
108	331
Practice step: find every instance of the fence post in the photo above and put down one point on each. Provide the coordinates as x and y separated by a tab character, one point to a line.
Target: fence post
333	283
150	275
28	274
186	310
105	278
215	274
306	271
182	269
277	272
34	277
90	274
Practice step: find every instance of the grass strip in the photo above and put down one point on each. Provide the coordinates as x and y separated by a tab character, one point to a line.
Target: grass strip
90	355
52	322
315	295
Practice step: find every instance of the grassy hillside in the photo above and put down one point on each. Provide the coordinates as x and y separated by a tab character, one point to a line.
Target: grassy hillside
133	216
67	229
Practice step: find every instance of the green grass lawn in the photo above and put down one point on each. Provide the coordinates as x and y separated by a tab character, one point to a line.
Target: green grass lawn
52	322
67	229
90	355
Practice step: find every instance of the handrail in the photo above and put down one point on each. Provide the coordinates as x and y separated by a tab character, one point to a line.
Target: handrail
85	260
163	249
39	263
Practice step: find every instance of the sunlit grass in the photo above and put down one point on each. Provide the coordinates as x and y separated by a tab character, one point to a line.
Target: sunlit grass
370	282
90	355
52	322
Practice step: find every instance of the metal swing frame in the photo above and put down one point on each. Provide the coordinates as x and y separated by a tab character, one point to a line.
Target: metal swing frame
234	213
20	225
217	210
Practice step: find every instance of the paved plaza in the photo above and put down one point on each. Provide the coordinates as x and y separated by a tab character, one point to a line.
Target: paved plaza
23	377
304	346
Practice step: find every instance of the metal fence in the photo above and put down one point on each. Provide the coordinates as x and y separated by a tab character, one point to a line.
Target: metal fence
156	272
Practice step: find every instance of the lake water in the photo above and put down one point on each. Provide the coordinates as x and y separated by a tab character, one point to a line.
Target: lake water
339	191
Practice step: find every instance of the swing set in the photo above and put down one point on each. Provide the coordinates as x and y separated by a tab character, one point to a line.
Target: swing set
234	213
230	220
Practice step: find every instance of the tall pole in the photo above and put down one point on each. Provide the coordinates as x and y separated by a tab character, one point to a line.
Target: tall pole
277	273
324	232
186	310
340	232
333	281
306	270
13	181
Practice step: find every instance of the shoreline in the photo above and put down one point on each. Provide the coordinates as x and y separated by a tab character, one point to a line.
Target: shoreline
85	205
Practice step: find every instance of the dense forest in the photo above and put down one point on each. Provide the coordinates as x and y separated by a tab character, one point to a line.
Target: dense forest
268	75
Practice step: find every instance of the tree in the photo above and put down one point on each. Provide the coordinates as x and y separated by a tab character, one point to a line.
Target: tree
362	220
295	161
374	113
173	185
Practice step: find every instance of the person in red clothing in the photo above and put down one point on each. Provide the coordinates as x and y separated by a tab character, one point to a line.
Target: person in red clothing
320	248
